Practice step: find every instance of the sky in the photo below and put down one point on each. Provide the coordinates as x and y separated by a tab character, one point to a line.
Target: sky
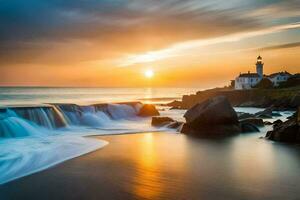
111	43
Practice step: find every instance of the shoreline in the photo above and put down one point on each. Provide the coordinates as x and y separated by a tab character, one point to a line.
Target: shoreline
140	166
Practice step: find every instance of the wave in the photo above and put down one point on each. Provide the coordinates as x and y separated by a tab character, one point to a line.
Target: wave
33	138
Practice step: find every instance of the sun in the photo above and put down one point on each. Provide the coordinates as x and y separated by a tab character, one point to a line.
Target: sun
149	73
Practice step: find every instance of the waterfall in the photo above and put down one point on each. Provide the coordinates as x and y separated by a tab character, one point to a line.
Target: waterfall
31	121
122	111
48	117
98	115
13	126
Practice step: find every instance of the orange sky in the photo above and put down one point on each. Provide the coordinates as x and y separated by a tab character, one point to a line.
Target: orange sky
198	46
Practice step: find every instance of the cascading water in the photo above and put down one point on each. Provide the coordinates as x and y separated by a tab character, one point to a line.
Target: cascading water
97	115
48	117
122	111
32	138
31	121
13	126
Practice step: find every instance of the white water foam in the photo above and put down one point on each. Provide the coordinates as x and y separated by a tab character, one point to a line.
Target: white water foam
27	148
24	156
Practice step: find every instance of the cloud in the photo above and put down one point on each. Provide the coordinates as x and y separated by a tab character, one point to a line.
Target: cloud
281	46
70	31
179	49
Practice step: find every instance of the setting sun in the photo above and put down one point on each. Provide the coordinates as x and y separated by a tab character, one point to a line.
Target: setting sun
149	73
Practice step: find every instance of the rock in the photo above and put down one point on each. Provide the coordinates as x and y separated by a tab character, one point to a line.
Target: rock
148	110
295	101
161	121
277	122
288	131
255	121
212	118
175	125
247	104
265	114
248	127
245	115
174	104
267	123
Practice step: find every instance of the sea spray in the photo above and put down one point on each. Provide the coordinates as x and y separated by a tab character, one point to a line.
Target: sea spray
13	126
21	157
35	138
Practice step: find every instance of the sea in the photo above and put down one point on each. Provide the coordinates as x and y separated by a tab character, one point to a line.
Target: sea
58	125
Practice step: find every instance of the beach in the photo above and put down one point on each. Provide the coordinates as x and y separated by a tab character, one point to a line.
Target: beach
164	165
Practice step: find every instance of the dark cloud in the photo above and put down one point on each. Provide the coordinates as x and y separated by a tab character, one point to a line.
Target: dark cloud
33	30
281	46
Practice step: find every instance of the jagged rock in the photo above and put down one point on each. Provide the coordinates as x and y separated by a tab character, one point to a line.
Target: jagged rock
212	118
255	121
161	121
148	110
245	115
175	125
277	122
174	104
267	123
248	127
265	114
288	131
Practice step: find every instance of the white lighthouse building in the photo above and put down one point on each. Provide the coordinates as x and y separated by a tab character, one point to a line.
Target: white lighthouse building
248	80
259	66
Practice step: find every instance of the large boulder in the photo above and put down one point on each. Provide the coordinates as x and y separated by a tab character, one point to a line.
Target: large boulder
148	110
288	131
212	118
161	121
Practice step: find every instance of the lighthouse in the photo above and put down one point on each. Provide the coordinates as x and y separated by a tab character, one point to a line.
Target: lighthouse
260	67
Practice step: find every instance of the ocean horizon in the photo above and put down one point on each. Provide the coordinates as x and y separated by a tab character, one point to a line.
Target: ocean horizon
85	95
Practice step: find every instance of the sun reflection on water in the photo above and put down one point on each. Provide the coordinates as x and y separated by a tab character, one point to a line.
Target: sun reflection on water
148	184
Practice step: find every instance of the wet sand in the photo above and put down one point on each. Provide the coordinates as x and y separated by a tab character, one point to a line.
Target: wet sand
169	166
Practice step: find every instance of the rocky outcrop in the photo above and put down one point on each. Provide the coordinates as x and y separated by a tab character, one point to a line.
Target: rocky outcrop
288	131
161	121
214	117
280	99
267	123
254	121
265	114
148	110
174	104
175	125
295	101
277	123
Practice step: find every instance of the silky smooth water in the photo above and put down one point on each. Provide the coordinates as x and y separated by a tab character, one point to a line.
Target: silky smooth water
34	143
170	166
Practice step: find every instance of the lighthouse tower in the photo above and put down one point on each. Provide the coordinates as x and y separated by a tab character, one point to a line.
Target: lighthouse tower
260	67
